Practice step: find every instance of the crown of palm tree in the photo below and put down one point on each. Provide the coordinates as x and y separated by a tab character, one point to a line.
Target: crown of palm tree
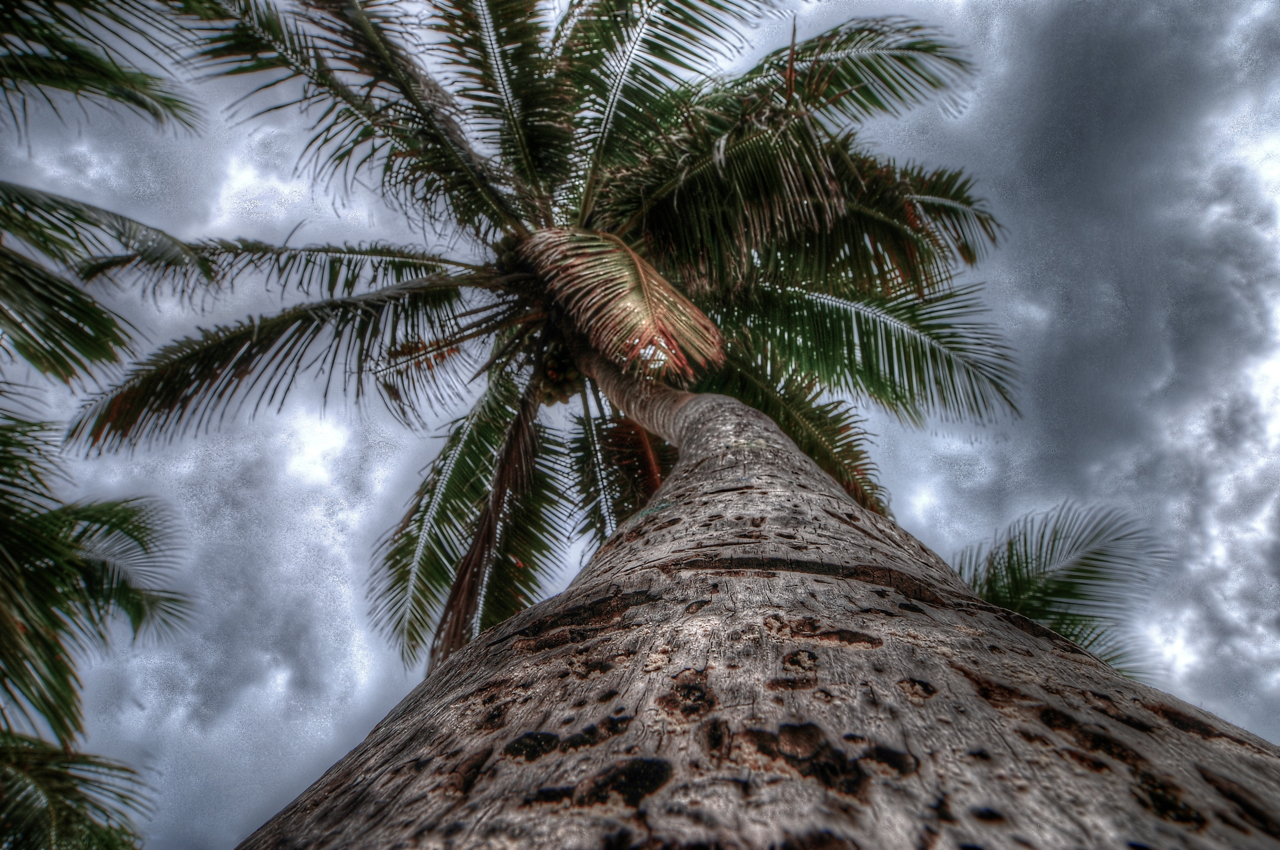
619	195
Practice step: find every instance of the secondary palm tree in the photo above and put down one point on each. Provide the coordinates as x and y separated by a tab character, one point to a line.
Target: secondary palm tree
67	570
625	206
1074	570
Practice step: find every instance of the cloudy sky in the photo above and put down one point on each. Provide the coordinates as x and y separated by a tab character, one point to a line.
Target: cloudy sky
1132	152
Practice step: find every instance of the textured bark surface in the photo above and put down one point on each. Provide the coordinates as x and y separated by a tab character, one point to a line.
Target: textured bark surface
753	661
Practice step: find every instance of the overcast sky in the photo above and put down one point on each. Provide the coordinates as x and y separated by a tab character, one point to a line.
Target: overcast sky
1132	152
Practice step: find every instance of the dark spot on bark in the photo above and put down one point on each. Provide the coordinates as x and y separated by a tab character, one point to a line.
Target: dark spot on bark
883	612
904	763
1055	719
1252	810
690	697
1185	722
589	736
818	841
667	524
846	636
579	703
716	738
695	607
597	613
792	683
997	694
495	718
468	770
606	696
807	751
1095	764
917	689
615	725
756	522
995	649
883	594
1033	737
592	666
532	745
801	659
632	780
549	795
452	829
914	609
988	815
944	811
979	754
1164	799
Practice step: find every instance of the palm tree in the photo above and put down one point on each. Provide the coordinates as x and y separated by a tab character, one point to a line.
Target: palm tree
1073	570
67	569
623	205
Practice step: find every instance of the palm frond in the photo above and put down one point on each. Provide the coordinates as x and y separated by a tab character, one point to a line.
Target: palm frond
69	232
626	309
622	56
537	525
79	48
414	565
329	270
1079	571
827	431
51	322
856	70
913	356
514	471
52	798
617	467
517	103
65	571
375	107
190	384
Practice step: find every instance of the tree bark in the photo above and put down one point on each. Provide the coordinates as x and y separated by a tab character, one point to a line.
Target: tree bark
753	661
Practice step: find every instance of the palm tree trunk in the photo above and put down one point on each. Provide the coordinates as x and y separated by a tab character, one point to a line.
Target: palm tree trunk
754	661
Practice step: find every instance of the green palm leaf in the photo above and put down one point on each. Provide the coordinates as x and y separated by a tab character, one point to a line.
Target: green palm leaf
65	571
857	70
518	104
329	270
912	356
191	383
51	798
74	47
626	309
623	56
415	564
375	107
827	431
1077	571
616	468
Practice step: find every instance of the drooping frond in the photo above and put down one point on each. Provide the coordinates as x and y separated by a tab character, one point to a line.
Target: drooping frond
415	564
82	48
65	571
190	384
70	232
375	106
516	101
913	356
827	431
50	322
628	311
329	270
514	471
617	467
1079	571
52	798
537	525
